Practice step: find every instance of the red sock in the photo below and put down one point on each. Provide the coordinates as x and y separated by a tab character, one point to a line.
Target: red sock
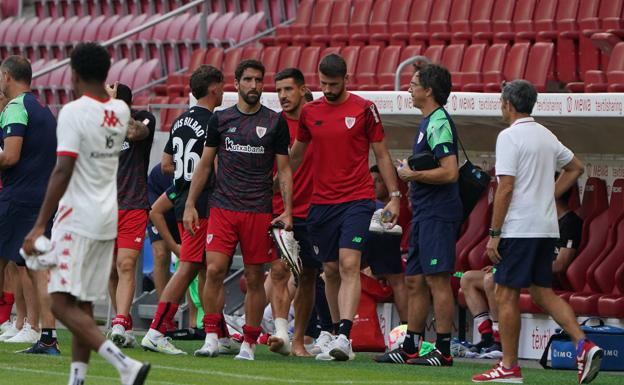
164	316
251	334
213	324
496	336
485	327
123	320
6	305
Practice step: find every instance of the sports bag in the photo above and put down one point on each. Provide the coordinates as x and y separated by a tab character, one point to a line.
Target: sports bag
472	183
563	350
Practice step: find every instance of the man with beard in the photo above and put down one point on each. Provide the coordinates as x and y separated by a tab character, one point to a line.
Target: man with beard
249	139
291	91
342	127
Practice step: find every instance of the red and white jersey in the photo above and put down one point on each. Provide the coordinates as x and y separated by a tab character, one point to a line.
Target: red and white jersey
341	136
92	131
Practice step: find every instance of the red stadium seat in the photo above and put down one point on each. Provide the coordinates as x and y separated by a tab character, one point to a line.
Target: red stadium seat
367	66
477	258
308	64
484	29
417	22
28	46
397	22
543	20
408	71
358	23
289	57
318	23
351	55
338	23
471	65
284	33
452	57
515	66
540	65
438	22
434	53
270	58
611	80
492	64
230	61
220	27
480	16
129	72
253	26
5	24
148	72
233	30
378	23
523	16
462	12
386	68
594	202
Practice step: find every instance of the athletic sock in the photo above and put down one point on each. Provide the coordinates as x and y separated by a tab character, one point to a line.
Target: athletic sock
165	311
123	320
344	327
484	325
212	324
115	357
77	373
281	328
48	336
251	334
443	343
495	333
336	328
411	344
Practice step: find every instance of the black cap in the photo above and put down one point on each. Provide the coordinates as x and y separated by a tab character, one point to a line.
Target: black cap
124	93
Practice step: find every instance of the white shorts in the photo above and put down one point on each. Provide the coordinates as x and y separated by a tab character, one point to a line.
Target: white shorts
83	266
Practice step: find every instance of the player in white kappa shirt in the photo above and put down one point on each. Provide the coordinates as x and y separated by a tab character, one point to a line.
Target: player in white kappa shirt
83	185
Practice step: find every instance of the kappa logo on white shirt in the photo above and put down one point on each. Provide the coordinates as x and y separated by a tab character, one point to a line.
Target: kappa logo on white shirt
209	238
261	131
349	121
420	137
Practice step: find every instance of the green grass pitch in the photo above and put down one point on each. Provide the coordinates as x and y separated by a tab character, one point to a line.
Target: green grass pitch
19	369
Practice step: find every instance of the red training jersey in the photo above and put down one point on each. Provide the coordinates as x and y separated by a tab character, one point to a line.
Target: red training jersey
341	135
302	180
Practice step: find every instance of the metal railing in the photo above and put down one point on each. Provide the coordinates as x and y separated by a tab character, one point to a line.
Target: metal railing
146	25
405	63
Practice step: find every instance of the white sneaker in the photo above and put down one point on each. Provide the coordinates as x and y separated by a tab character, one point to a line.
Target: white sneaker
135	375
228	346
288	248
324	356
8	330
210	348
322	343
156	342
378	226
247	352
118	335
130	341
341	349
25	336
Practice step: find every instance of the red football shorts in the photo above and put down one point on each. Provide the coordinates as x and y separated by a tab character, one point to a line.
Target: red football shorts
131	227
227	228
192	248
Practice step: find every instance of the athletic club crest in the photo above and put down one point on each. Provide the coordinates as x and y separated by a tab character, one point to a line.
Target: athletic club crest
349	122
209	238
261	131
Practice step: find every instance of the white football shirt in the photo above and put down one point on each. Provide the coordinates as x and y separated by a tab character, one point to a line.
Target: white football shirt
92	131
531	153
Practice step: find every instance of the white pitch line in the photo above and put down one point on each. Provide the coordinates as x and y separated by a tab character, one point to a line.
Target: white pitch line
290	380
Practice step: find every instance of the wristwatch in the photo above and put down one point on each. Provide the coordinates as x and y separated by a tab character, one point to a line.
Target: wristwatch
495	233
395	194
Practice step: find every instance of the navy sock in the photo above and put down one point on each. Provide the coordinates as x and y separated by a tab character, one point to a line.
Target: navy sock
411	344
48	336
345	327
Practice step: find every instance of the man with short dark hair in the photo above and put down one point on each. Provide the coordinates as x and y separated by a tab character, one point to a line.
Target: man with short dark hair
437	215
291	92
524	230
342	127
83	185
133	206
186	142
249	139
27	159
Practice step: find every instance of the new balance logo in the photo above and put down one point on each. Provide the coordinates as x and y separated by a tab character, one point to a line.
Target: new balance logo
231	130
357	240
434	262
110	119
